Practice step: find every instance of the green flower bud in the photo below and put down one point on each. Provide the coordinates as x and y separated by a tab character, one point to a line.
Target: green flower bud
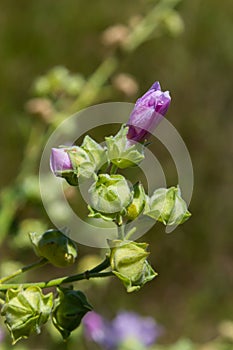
42	86
53	245
122	152
138	203
25	311
167	206
73	84
95	151
129	264
70	308
110	194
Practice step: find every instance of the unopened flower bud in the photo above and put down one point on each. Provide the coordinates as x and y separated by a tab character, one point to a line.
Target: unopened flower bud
70	307
173	23
25	311
60	161
147	113
167	206
115	35
42	108
61	165
56	247
129	264
126	84
71	163
110	194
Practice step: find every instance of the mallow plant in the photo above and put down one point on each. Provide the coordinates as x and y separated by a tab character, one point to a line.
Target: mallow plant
25	306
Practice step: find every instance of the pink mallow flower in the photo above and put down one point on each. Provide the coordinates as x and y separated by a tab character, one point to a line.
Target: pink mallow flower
147	113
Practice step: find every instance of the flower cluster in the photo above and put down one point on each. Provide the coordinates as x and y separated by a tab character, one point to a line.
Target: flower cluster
111	198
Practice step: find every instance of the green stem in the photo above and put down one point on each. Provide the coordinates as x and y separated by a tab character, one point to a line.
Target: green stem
95	83
114	169
148	25
93	273
13	196
102	266
58	281
35	265
121	233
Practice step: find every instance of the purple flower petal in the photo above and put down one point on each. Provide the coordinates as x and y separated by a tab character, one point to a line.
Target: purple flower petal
130	325
125	326
94	327
59	161
148	112
98	330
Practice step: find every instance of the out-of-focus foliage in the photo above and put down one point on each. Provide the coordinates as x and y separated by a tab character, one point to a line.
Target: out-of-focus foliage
194	293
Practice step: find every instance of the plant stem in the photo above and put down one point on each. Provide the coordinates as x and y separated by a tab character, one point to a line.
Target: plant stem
121	234
93	273
102	266
57	281
95	83
35	265
114	169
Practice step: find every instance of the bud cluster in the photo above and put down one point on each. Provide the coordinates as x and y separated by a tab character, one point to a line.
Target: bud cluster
112	198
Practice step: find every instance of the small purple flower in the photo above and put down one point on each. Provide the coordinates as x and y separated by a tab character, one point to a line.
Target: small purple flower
147	113
60	161
94	327
98	330
126	326
131	325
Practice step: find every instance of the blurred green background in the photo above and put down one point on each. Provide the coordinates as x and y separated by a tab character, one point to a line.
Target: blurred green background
193	292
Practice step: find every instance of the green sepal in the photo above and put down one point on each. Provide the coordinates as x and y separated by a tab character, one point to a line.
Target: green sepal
167	206
70	307
96	152
70	177
119	151
137	205
25	311
82	165
129	264
98	215
56	247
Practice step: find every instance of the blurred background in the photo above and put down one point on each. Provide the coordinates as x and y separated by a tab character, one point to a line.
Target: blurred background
114	51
